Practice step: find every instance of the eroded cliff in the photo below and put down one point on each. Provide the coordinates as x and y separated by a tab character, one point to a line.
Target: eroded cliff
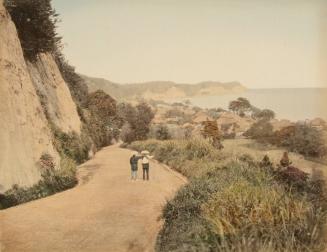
54	93
34	96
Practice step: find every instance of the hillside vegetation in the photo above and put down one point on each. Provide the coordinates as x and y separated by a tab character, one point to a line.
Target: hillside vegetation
236	203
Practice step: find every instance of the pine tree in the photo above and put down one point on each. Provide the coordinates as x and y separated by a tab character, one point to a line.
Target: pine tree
35	22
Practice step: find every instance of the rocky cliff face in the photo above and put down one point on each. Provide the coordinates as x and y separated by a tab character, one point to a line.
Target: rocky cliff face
54	93
24	130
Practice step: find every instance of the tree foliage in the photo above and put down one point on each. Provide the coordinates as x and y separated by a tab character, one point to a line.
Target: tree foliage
101	121
240	106
264	114
305	140
101	104
162	132
35	22
137	121
211	131
261	130
301	138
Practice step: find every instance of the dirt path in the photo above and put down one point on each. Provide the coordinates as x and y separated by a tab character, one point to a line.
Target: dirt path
106	212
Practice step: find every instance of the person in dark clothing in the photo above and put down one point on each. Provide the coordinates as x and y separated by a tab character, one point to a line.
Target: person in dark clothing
134	165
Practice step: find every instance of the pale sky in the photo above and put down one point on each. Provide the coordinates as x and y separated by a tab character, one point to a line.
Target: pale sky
260	43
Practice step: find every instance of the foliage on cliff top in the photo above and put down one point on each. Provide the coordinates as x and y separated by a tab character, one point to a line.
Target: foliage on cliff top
35	22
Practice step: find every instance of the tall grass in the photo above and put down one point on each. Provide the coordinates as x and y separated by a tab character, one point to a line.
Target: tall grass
189	157
235	205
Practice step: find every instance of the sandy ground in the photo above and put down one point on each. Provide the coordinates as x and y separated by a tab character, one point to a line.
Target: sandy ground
105	212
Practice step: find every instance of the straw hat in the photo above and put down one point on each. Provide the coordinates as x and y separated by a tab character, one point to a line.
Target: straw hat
145	152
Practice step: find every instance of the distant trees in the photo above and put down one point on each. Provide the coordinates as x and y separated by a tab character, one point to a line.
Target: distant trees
240	106
301	138
178	116
144	116
305	140
175	112
35	22
215	112
160	132
265	114
136	121
262	131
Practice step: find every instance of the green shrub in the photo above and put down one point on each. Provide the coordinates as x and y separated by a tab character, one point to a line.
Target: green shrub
72	145
162	132
52	181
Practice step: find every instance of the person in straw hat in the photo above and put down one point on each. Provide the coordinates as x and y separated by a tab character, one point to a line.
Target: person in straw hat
145	164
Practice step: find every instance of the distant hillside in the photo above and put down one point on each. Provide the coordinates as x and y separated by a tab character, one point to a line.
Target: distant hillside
161	90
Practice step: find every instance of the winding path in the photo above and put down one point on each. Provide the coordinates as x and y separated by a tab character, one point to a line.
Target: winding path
105	212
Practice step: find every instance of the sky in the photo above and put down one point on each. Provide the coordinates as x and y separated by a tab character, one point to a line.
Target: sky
260	43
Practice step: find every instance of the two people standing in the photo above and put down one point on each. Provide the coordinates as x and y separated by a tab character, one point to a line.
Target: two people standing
145	164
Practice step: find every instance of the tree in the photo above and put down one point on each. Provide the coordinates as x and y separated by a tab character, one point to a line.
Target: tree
162	132
144	117
138	119
127	134
234	106
305	140
262	131
211	131
240	106
265	114
35	22
101	122
102	104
